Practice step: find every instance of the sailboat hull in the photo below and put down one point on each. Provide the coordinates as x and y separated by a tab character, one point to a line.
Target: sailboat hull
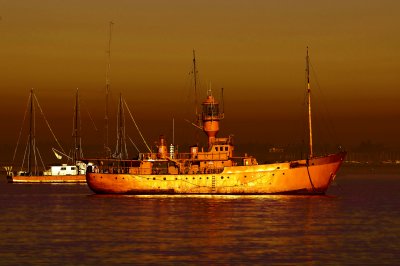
296	177
47	179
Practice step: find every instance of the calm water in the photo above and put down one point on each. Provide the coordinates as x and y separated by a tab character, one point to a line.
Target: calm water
358	222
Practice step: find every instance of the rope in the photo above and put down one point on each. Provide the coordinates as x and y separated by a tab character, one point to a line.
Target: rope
130	114
309	177
40	157
20	132
48	125
23	160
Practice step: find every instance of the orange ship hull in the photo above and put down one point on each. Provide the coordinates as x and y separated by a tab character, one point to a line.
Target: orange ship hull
47	179
296	177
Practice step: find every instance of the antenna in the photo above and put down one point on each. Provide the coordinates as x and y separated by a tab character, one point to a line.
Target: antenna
222	100
173	130
107	90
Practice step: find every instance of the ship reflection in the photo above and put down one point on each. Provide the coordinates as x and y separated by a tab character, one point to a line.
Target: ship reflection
212	225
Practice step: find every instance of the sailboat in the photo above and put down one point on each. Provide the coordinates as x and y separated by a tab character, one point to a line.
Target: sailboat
216	170
64	173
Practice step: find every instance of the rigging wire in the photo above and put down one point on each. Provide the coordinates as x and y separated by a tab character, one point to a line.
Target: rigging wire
20	132
48	125
141	135
331	130
26	148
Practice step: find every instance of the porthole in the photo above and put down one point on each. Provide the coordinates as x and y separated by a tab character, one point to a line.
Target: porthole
222	177
194	178
164	178
283	173
154	178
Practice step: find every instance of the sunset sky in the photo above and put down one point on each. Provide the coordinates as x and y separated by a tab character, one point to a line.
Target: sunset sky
255	50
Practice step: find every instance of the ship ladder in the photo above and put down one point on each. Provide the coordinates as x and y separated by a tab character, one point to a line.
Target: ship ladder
213	184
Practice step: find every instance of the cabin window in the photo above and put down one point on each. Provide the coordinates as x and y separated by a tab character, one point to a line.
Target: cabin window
226	148
216	148
63	168
73	168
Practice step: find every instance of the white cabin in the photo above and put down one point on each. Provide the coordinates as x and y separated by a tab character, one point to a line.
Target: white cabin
65	169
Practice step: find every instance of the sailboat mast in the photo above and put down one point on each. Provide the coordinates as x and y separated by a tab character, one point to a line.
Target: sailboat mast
31	150
77	135
106	126
309	104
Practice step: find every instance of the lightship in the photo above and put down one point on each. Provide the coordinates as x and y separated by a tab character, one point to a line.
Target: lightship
216	170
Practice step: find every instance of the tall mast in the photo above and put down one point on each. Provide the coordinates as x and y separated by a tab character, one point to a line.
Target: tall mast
32	148
77	131
106	147
121	151
309	104
195	85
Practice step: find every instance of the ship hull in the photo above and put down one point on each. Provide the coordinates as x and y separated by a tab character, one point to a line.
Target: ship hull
296	177
47	179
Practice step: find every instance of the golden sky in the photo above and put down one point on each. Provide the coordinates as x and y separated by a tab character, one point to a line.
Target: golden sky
255	50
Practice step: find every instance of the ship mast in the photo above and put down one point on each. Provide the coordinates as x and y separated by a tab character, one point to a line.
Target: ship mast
121	151
106	131
309	104
195	86
32	148
77	131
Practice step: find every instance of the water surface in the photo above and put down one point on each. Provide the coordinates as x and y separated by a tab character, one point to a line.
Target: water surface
357	222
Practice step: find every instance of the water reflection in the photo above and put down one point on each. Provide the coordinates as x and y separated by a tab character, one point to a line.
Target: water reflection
57	224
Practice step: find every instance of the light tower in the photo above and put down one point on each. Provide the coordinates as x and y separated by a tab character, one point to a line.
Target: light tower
211	117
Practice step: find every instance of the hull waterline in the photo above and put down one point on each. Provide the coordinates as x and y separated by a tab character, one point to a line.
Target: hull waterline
295	177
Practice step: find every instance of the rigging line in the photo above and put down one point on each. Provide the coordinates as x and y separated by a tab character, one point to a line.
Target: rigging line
40	157
26	148
130	114
48	125
90	116
134	145
329	117
309	177
22	126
